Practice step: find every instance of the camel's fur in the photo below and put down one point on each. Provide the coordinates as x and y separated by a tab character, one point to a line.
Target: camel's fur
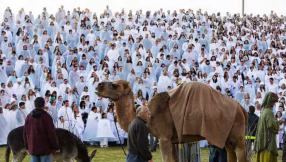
71	147
161	123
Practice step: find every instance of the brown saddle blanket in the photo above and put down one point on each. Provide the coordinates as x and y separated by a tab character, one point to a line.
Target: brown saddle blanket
198	109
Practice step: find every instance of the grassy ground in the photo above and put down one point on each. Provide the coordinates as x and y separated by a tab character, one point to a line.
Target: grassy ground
115	154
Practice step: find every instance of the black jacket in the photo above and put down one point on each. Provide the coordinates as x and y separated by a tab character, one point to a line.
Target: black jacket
137	142
252	124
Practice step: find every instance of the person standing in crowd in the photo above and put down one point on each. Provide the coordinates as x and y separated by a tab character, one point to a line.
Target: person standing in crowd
251	127
137	141
104	131
67	115
4	128
21	114
39	134
267	128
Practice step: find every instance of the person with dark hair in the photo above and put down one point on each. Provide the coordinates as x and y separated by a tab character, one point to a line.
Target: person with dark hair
104	130
251	127
91	125
39	134
21	114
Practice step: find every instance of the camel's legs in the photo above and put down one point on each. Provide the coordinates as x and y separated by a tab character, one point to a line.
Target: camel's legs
166	150
240	150
231	156
175	153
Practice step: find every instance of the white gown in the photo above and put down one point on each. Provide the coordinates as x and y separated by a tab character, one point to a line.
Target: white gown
104	129
29	104
12	122
20	117
61	125
104	132
4	130
91	126
78	126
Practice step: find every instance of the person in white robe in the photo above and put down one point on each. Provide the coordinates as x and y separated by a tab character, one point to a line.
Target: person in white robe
77	125
62	124
18	88
21	114
54	88
4	128
113	54
73	77
91	125
163	82
67	114
80	85
104	131
64	86
12	116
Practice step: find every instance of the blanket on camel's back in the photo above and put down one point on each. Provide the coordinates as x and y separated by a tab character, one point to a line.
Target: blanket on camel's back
198	109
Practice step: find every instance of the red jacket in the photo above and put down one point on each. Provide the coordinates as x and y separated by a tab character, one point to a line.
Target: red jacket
39	133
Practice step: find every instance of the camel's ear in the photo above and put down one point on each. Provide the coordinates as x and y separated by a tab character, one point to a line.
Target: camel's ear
114	85
126	85
92	155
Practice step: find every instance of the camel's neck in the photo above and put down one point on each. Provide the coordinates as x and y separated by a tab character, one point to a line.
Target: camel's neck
125	111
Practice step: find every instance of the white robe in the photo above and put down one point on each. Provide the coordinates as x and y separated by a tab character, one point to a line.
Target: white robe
163	83
104	129
18	67
4	130
91	126
21	115
78	126
29	104
61	125
67	113
12	122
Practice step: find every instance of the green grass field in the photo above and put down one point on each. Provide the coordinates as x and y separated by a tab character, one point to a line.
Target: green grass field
115	154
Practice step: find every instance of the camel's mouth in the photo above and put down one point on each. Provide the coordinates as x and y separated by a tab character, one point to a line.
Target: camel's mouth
97	91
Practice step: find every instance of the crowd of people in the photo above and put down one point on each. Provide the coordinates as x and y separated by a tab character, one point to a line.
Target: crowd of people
63	56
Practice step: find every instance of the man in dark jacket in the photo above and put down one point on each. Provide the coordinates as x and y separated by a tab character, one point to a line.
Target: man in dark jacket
39	134
251	128
137	142
252	121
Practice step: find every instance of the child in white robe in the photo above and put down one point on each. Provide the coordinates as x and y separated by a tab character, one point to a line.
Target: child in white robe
78	125
61	123
91	125
104	131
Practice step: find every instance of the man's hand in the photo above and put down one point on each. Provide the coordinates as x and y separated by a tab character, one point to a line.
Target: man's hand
150	160
57	151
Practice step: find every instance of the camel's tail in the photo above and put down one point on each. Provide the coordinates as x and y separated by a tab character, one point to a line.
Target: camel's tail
7	154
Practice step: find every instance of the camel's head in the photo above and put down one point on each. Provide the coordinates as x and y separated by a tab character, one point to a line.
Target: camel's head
113	90
83	157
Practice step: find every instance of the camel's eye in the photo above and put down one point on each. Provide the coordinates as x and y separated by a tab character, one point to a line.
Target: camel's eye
114	85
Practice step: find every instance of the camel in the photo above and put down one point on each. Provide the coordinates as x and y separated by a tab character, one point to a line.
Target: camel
161	124
71	147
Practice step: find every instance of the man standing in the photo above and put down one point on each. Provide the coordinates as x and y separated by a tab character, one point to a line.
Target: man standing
267	128
39	134
137	142
67	114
